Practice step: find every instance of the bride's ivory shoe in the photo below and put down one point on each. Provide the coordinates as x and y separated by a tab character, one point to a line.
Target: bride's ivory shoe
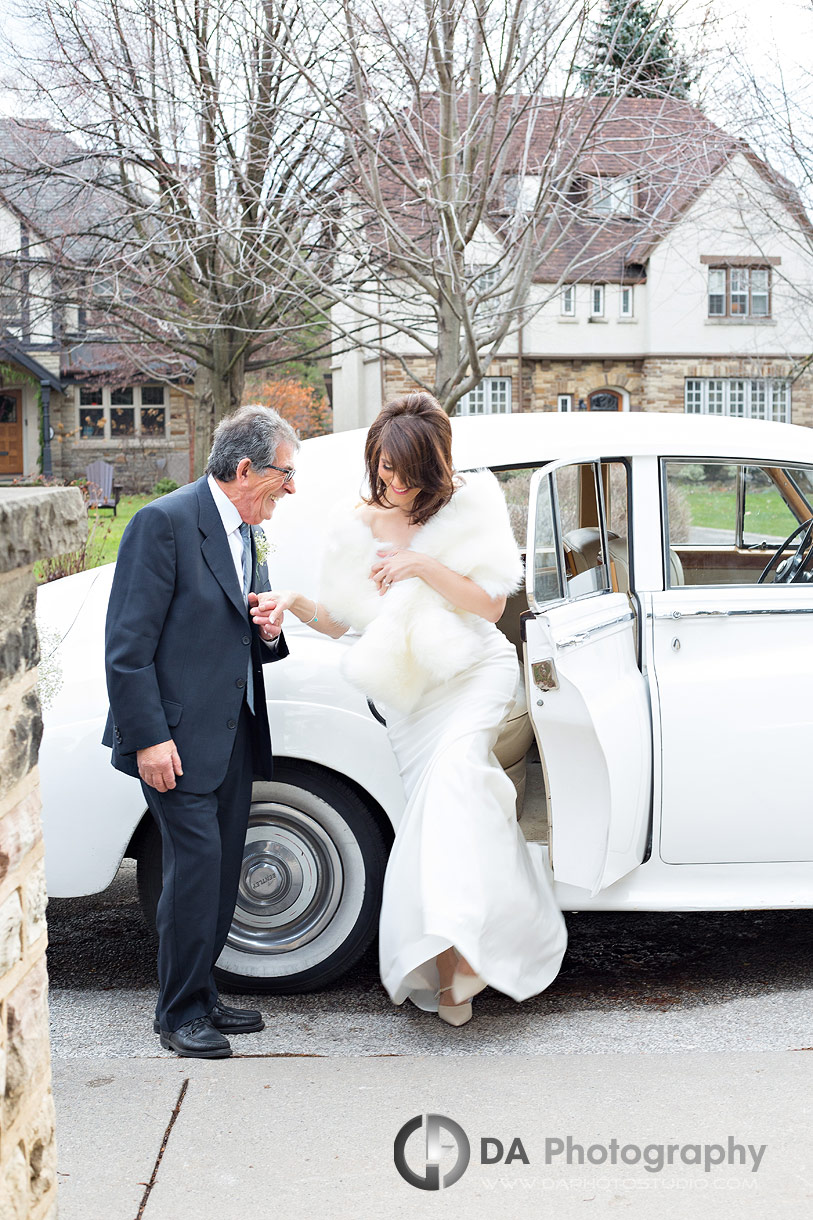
454	1014
466	986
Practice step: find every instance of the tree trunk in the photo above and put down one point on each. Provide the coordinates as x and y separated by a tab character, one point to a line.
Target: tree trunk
215	397
448	354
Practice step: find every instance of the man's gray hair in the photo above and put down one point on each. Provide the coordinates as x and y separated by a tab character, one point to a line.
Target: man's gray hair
253	432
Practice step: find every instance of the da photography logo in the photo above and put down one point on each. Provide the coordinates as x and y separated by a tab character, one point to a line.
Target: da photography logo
444	1138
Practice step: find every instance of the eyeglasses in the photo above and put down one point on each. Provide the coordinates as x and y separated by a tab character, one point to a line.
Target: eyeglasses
289	474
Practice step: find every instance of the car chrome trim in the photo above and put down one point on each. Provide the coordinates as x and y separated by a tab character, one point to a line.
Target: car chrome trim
581	636
678	614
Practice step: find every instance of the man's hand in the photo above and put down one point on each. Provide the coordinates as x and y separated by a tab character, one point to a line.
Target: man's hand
158	765
267	611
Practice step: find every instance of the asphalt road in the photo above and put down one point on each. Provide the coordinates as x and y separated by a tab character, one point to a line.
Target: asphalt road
630	983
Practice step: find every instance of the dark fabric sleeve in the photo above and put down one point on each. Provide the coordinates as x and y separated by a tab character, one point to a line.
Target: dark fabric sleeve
143	588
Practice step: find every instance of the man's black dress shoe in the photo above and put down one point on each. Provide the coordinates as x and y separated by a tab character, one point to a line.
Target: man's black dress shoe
236	1020
197	1039
231	1020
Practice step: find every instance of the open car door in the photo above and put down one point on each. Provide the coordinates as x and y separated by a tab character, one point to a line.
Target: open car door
587	698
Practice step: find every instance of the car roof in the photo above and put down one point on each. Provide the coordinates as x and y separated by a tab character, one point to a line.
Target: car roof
544	436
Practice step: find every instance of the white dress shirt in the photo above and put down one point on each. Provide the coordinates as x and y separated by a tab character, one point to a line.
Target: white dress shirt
231	523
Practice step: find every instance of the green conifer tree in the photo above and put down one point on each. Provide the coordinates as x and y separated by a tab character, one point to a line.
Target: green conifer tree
634	51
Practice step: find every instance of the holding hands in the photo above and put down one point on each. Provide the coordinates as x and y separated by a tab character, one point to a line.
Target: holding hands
267	611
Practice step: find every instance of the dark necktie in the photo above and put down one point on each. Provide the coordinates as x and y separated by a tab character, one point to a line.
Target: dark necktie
245	534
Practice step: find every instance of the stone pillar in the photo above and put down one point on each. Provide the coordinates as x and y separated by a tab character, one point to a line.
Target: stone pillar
34	523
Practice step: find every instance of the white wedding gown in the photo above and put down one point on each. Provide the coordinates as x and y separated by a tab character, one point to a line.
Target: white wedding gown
460	872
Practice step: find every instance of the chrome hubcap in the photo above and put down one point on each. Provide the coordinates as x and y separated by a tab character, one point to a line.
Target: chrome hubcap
291	881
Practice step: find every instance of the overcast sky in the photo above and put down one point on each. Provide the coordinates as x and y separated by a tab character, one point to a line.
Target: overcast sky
760	33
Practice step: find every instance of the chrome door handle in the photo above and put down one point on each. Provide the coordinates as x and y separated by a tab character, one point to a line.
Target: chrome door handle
572	640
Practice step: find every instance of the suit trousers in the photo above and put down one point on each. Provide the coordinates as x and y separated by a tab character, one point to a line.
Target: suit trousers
203	836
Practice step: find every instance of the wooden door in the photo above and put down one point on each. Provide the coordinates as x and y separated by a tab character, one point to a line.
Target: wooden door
604	400
11	431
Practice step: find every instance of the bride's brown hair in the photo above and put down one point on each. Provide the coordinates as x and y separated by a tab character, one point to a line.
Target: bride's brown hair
414	435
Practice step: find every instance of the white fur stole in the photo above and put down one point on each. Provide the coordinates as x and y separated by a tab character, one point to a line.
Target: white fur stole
412	638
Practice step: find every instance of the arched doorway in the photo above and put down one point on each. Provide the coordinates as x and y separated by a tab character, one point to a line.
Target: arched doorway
604	400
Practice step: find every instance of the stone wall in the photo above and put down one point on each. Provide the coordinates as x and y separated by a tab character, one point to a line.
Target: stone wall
580	378
34	523
652	384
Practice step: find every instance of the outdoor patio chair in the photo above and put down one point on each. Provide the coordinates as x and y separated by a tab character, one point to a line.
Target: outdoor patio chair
102	492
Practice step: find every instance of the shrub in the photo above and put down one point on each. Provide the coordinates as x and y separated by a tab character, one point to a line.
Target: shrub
301	405
164	486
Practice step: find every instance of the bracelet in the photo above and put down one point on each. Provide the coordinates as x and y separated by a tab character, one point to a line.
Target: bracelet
315	619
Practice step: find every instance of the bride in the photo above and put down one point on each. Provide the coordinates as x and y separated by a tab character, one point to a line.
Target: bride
422	569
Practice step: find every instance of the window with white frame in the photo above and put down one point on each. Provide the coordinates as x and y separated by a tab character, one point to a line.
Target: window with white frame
739	292
625	301
612	196
567	301
564	402
742	398
491	397
597	301
123	412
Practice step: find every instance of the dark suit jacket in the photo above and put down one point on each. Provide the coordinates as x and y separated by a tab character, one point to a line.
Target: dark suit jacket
178	639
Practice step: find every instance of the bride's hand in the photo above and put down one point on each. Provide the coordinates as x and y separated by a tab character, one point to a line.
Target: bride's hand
268	609
392	566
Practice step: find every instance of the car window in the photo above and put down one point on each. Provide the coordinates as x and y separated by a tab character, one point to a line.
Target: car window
726	520
573	507
516	486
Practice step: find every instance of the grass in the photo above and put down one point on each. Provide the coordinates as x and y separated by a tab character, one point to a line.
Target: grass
104	536
765	511
110	528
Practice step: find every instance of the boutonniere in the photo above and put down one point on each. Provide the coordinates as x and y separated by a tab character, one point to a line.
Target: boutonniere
262	546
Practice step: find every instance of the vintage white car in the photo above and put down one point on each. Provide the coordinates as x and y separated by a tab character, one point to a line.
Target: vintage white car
666	638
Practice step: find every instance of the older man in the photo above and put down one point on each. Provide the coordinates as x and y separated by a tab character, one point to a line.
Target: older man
187	704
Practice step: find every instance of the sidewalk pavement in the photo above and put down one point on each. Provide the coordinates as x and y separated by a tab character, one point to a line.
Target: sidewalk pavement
169	1139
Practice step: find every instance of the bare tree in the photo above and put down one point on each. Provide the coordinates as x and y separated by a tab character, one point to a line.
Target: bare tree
177	148
479	176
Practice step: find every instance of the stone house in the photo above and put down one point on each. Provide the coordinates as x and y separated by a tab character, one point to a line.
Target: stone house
697	297
61	363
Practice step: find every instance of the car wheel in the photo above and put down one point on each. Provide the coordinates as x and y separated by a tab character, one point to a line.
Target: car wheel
310	884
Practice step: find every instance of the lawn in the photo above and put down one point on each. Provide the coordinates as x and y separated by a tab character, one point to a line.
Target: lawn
104	536
109	529
766	513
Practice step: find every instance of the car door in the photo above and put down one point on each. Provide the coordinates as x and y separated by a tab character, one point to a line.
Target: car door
588	700
733	662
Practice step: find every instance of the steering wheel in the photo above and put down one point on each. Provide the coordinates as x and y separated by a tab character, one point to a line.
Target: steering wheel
794	567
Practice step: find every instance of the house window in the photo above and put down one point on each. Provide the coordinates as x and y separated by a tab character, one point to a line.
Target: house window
564	402
625	301
121	413
491	397
521	192
741	398
567	301
91	414
611	196
153	411
597	301
11	292
482	280
739	292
